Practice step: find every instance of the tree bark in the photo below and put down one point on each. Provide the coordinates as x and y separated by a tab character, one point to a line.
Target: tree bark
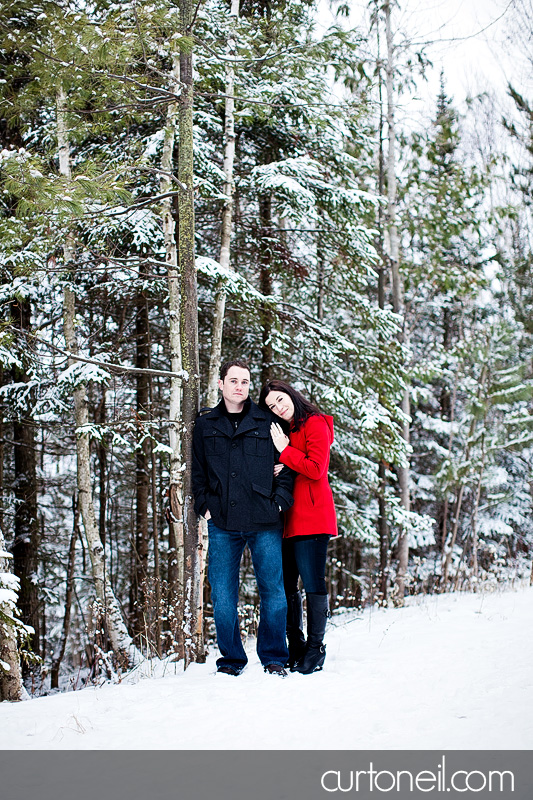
192	633
101	455
175	521
227	214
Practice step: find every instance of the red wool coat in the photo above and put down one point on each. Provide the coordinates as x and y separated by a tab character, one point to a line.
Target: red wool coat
308	455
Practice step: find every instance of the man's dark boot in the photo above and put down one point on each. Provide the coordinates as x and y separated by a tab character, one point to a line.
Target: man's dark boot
295	634
315	651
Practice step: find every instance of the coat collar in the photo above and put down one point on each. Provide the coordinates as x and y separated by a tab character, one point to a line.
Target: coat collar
251	420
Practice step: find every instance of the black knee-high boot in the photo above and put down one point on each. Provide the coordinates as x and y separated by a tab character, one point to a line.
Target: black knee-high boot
315	651
295	634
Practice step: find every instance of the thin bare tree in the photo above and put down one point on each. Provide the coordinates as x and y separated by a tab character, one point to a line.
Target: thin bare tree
121	642
397	297
227	212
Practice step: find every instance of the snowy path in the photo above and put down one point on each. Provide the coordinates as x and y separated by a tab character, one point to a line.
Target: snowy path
447	672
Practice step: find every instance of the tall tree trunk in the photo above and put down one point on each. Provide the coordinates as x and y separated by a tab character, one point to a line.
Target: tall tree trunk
321	272
140	614
155	536
26	524
227	213
60	650
475	566
447	407
446	503
101	455
265	267
397	298
193	645
11	687
175	523
119	637
383	528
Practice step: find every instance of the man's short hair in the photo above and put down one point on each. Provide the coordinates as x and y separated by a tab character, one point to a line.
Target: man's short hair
238	362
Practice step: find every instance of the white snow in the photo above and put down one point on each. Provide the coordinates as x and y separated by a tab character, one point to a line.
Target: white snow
446	672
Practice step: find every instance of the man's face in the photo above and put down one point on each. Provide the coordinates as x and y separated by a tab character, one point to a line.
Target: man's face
235	386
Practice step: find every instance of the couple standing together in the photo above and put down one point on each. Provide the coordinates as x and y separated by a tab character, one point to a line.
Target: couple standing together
260	479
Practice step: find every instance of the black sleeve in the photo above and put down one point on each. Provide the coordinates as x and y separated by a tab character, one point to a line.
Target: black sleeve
199	470
283	486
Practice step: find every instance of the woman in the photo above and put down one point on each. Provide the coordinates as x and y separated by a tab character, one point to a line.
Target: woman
311	520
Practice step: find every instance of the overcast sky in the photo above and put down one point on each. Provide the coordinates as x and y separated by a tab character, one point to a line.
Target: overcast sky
470	39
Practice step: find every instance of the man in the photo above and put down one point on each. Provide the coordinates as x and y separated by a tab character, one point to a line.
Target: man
236	491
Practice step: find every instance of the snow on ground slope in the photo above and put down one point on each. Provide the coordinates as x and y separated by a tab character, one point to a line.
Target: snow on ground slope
446	672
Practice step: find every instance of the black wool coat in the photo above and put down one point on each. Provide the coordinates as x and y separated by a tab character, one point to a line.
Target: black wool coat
233	471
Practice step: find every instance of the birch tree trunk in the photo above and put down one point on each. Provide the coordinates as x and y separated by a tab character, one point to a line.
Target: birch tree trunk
120	640
193	647
397	298
175	550
60	650
11	687
227	214
101	455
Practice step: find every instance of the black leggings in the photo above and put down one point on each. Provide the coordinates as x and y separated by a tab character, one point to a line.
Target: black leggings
305	556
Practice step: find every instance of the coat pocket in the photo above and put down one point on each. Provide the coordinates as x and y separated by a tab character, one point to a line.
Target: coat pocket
256	443
214	443
264	510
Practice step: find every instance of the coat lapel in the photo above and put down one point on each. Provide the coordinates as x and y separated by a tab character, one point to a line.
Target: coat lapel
251	421
220	421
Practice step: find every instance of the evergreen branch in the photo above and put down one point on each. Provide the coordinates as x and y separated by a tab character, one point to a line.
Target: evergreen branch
171	96
306	47
119	368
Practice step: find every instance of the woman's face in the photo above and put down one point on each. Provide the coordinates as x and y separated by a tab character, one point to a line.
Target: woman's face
281	404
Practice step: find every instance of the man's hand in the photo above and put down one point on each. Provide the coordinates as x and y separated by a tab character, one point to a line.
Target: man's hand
207	515
277	469
278	437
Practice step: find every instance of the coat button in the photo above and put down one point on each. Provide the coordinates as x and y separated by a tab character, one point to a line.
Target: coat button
256	433
233	503
233	474
234	445
214	433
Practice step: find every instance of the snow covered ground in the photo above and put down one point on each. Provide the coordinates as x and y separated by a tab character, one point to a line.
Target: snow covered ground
447	672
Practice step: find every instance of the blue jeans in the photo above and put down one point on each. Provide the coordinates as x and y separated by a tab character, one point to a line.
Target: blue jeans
305	556
225	553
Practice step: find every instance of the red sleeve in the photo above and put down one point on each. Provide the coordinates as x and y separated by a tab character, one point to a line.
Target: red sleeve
314	462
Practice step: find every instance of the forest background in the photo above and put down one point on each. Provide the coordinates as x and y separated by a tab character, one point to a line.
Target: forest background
186	182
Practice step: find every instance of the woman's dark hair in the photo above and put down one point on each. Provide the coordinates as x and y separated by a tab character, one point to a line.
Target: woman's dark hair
302	407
